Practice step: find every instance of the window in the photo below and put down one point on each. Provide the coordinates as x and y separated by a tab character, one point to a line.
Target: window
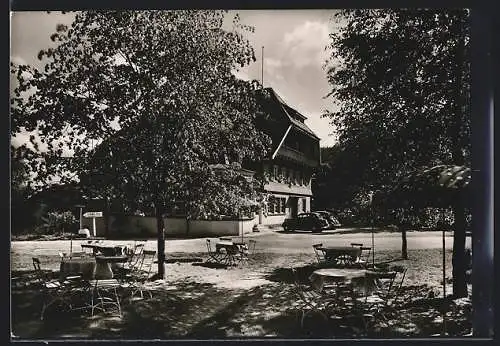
304	205
270	205
276	205
281	174
276	172
305	180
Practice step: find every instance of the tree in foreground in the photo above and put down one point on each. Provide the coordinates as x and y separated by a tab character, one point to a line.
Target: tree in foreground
156	87
401	81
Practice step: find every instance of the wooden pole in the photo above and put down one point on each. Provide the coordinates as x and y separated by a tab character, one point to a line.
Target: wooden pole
444	278
373	247
262	71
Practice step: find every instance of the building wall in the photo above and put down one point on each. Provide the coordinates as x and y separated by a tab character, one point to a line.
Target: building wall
284	178
278	218
131	226
276	187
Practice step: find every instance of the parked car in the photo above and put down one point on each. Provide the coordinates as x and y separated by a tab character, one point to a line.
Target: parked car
329	217
306	222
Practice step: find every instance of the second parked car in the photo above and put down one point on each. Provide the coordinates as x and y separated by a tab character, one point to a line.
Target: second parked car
306	222
329	217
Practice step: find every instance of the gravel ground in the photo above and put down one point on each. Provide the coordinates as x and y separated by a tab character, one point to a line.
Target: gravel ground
252	300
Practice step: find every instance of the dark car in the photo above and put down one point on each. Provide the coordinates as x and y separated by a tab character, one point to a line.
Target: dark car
306	222
329	217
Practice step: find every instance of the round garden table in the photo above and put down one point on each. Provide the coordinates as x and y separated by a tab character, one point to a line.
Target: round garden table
341	254
83	266
103	266
320	277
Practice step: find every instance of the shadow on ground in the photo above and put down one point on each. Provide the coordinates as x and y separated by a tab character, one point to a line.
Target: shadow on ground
184	309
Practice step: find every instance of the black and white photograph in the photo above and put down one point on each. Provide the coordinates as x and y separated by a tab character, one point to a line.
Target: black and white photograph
252	174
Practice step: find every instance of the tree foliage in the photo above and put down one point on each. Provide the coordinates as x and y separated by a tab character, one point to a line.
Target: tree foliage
156	88
157	85
401	79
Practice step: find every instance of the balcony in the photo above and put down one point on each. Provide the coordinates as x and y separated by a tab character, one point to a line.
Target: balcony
297	156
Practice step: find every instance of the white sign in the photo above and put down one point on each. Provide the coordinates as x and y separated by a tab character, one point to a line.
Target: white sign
93	214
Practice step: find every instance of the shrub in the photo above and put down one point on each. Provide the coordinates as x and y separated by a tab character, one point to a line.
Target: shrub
56	222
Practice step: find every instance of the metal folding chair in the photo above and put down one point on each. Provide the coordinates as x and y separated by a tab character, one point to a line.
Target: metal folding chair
320	255
213	256
364	257
382	302
251	246
136	279
309	300
104	295
54	291
134	255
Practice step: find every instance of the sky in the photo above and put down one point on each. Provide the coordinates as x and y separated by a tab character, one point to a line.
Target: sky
294	44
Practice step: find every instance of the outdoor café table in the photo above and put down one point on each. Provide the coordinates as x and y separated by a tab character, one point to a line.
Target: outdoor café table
106	250
341	254
83	266
103	266
231	249
225	244
231	246
320	277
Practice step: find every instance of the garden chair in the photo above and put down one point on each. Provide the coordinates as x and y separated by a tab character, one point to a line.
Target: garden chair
320	255
383	300
136	279
104	295
364	257
233	255
246	250
251	246
309	300
213	256
140	242
134	256
53	291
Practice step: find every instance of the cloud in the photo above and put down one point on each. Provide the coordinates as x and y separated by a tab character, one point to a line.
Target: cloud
322	128
305	44
273	67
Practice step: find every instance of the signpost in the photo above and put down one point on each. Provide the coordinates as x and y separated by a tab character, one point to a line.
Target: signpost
80	206
93	215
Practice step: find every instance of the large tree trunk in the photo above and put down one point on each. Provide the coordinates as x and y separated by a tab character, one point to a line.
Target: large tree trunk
458	259
404	244
160	228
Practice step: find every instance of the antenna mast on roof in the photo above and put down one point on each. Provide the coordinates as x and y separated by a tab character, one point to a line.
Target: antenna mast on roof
262	72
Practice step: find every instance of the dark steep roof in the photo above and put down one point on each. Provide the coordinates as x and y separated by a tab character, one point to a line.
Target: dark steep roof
275	103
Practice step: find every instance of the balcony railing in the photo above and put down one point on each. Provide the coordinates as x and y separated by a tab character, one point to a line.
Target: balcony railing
289	153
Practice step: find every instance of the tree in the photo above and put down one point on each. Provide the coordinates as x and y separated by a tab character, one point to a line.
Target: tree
19	191
401	80
157	87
